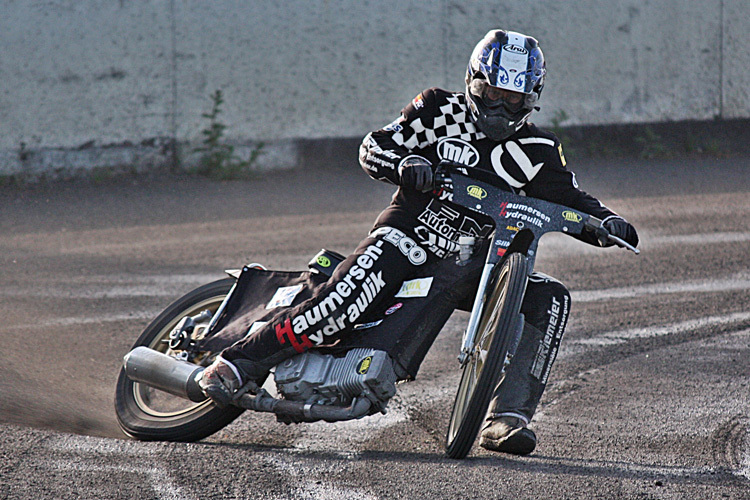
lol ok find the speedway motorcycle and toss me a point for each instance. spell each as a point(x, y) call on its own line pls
point(158, 398)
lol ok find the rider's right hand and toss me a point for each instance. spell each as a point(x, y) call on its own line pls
point(416, 173)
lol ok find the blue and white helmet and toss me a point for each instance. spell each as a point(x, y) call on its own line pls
point(504, 80)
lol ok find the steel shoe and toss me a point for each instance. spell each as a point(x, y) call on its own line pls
point(220, 381)
point(508, 435)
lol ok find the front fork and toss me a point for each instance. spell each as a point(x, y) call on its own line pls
point(470, 334)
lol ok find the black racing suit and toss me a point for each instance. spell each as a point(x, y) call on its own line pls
point(419, 228)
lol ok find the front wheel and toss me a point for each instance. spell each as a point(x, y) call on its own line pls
point(496, 336)
point(149, 414)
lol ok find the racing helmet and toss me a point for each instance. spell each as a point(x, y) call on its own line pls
point(504, 80)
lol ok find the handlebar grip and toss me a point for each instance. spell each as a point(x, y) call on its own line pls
point(442, 178)
point(595, 225)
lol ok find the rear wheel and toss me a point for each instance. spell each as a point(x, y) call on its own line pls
point(149, 414)
point(495, 337)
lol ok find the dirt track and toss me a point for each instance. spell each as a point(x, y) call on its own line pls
point(649, 398)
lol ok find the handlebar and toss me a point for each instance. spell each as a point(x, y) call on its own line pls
point(443, 180)
point(442, 176)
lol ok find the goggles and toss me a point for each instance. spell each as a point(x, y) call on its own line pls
point(494, 97)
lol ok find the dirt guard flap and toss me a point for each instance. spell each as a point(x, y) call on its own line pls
point(258, 296)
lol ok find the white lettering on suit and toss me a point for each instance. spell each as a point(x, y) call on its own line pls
point(327, 313)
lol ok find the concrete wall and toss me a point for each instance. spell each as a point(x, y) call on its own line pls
point(87, 83)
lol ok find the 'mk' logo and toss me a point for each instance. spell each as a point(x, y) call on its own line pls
point(458, 151)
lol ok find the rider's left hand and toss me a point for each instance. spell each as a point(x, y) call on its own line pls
point(617, 226)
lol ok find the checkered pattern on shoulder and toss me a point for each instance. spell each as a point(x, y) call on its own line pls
point(451, 120)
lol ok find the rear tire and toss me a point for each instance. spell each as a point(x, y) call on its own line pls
point(495, 337)
point(151, 415)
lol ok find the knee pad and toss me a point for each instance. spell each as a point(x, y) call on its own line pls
point(547, 304)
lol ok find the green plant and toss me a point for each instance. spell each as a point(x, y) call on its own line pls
point(651, 143)
point(714, 148)
point(218, 158)
point(563, 136)
point(9, 180)
point(557, 119)
point(23, 153)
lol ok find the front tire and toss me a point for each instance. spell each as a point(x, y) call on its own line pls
point(151, 415)
point(495, 337)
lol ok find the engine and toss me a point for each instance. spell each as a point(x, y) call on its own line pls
point(314, 378)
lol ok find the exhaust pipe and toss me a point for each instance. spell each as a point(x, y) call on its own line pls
point(296, 412)
point(176, 377)
point(164, 372)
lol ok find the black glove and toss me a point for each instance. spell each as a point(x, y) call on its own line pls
point(416, 173)
point(617, 226)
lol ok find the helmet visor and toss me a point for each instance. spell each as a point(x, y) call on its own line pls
point(494, 97)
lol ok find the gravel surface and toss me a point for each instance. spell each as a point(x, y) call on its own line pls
point(649, 398)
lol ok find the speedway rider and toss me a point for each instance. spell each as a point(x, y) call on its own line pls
point(486, 127)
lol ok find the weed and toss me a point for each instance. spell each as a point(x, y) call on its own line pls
point(710, 147)
point(218, 158)
point(7, 180)
point(565, 139)
point(714, 148)
point(693, 144)
point(651, 144)
point(557, 120)
point(100, 175)
point(23, 153)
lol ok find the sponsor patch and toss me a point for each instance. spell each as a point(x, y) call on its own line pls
point(364, 366)
point(547, 350)
point(458, 151)
point(284, 334)
point(394, 126)
point(571, 216)
point(284, 296)
point(515, 49)
point(393, 308)
point(476, 192)
point(416, 255)
point(419, 287)
point(524, 213)
point(418, 102)
point(509, 153)
point(365, 326)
